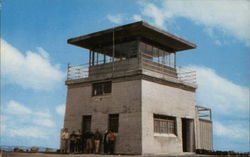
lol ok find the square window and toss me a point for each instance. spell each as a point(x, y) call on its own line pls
point(164, 124)
point(101, 88)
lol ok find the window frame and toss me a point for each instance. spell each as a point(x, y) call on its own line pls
point(102, 88)
point(164, 124)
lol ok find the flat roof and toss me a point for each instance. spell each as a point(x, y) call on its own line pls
point(138, 30)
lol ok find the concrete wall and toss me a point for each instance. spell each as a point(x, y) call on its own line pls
point(165, 100)
point(135, 99)
point(125, 99)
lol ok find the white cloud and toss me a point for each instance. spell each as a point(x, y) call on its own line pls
point(229, 16)
point(43, 53)
point(231, 131)
point(20, 120)
point(229, 103)
point(156, 14)
point(60, 110)
point(44, 122)
point(32, 70)
point(218, 42)
point(136, 17)
point(42, 114)
point(34, 132)
point(224, 97)
point(116, 19)
point(15, 108)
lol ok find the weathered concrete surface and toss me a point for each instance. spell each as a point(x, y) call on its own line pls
point(124, 100)
point(14, 154)
point(136, 99)
point(164, 100)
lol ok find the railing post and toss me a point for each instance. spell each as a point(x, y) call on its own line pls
point(113, 52)
point(178, 71)
point(175, 60)
point(162, 63)
point(68, 72)
point(90, 57)
point(140, 59)
point(93, 58)
point(97, 58)
point(210, 114)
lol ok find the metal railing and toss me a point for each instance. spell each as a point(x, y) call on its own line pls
point(182, 74)
point(204, 113)
point(185, 74)
point(78, 71)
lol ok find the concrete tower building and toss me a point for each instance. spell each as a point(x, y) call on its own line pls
point(133, 86)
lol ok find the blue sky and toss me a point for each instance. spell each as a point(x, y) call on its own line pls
point(34, 58)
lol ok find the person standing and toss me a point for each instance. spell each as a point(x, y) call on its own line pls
point(97, 139)
point(92, 141)
point(89, 142)
point(111, 141)
point(105, 142)
point(84, 141)
point(78, 141)
point(62, 143)
point(65, 140)
point(72, 142)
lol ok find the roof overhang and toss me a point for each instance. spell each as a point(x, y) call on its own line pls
point(137, 30)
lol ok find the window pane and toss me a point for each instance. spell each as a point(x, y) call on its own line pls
point(102, 88)
point(107, 87)
point(164, 124)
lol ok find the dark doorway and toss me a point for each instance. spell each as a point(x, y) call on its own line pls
point(188, 138)
point(86, 123)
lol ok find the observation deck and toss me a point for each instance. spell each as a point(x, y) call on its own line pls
point(133, 49)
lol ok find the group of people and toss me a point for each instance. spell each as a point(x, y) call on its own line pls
point(87, 142)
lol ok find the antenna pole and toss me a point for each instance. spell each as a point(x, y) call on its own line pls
point(113, 53)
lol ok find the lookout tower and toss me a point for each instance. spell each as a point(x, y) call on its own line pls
point(133, 86)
